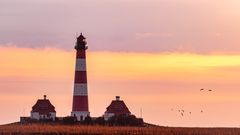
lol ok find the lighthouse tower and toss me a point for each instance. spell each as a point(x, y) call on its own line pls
point(80, 94)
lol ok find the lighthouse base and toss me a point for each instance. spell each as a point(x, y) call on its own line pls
point(80, 115)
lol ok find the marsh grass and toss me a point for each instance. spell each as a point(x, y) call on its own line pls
point(48, 129)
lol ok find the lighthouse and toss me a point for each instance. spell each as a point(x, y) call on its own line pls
point(80, 91)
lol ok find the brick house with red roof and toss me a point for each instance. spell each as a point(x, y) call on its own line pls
point(117, 107)
point(43, 110)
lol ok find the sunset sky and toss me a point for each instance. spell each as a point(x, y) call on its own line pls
point(155, 54)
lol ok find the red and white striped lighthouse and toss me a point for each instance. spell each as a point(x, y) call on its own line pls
point(80, 92)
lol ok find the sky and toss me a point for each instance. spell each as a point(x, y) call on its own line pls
point(155, 54)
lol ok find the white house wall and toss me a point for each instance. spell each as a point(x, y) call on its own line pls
point(35, 115)
point(107, 116)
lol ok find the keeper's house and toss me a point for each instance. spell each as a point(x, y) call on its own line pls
point(43, 110)
point(116, 108)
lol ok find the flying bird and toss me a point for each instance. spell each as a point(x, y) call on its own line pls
point(201, 89)
point(209, 90)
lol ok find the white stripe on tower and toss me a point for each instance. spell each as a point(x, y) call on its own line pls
point(80, 64)
point(80, 89)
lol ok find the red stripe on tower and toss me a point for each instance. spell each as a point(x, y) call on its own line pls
point(80, 92)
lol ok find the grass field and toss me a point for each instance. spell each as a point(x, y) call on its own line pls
point(41, 129)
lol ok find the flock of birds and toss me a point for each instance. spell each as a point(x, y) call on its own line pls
point(184, 112)
point(204, 89)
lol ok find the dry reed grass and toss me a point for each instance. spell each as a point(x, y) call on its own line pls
point(43, 129)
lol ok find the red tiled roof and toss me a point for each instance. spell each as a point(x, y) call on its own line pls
point(43, 106)
point(117, 107)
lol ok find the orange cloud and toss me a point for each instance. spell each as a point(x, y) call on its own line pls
point(159, 66)
point(59, 64)
point(35, 63)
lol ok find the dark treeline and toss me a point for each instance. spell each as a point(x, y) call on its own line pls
point(117, 120)
point(120, 120)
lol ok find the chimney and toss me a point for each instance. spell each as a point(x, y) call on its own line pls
point(45, 97)
point(117, 98)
